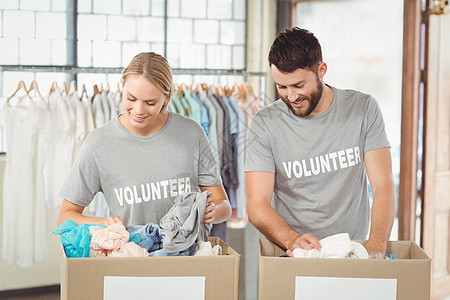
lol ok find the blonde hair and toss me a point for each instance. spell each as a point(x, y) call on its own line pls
point(155, 68)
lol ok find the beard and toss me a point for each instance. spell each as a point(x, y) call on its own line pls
point(312, 100)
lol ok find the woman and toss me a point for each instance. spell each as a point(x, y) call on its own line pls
point(145, 157)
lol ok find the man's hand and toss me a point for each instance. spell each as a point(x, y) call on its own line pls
point(306, 241)
point(376, 250)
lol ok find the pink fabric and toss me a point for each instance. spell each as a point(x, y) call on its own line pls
point(110, 237)
point(129, 249)
point(112, 241)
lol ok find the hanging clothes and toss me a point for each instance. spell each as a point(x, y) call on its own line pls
point(23, 208)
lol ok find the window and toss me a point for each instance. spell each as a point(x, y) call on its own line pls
point(39, 40)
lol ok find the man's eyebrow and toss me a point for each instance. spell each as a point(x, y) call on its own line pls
point(297, 83)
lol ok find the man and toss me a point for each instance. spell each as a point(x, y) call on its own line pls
point(308, 156)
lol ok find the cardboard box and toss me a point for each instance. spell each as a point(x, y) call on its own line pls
point(83, 278)
point(278, 275)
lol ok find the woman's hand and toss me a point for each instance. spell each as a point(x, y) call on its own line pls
point(112, 220)
point(210, 212)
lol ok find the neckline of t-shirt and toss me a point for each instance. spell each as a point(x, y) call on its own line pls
point(146, 137)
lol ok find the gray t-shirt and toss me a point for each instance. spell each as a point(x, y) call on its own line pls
point(320, 178)
point(142, 175)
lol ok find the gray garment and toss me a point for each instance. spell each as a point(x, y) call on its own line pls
point(320, 178)
point(220, 124)
point(213, 134)
point(183, 224)
point(240, 149)
point(142, 175)
point(220, 230)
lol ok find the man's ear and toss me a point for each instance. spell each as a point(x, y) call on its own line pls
point(322, 69)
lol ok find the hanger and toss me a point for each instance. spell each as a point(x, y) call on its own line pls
point(34, 86)
point(179, 91)
point(53, 87)
point(83, 92)
point(250, 88)
point(65, 88)
point(96, 92)
point(72, 88)
point(20, 86)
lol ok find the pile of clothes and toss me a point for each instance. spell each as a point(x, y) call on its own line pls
point(181, 232)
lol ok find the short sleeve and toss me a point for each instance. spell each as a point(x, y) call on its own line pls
point(259, 155)
point(83, 181)
point(208, 173)
point(375, 136)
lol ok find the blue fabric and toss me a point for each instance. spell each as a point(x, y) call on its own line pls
point(205, 114)
point(186, 252)
point(149, 235)
point(391, 256)
point(75, 238)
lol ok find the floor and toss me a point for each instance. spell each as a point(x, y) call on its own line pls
point(53, 296)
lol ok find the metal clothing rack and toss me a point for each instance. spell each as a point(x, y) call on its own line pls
point(111, 70)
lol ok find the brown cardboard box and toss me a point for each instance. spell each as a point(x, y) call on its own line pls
point(277, 275)
point(83, 278)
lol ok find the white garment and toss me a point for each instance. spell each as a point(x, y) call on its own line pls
point(88, 115)
point(80, 130)
point(205, 249)
point(24, 233)
point(105, 106)
point(61, 147)
point(335, 246)
point(97, 111)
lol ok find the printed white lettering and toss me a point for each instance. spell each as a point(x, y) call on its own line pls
point(119, 195)
point(333, 157)
point(288, 168)
point(298, 171)
point(164, 185)
point(145, 197)
point(181, 186)
point(322, 164)
point(128, 195)
point(350, 157)
point(315, 170)
point(305, 170)
point(137, 199)
point(156, 191)
point(173, 187)
point(357, 155)
point(152, 191)
point(342, 163)
point(325, 163)
point(188, 185)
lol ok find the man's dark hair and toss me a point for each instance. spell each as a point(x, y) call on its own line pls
point(294, 49)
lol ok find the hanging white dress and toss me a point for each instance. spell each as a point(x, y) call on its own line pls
point(22, 210)
point(61, 147)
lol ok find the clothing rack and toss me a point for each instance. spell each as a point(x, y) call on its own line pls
point(107, 70)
